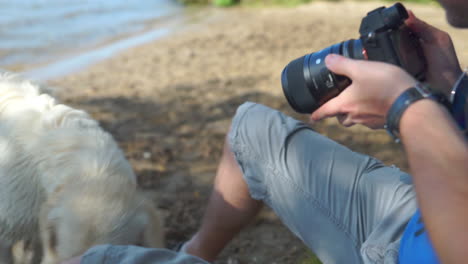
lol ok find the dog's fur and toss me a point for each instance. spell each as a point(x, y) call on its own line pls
point(64, 182)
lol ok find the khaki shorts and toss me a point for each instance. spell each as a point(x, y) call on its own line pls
point(345, 206)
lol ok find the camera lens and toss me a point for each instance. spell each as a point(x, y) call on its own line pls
point(307, 82)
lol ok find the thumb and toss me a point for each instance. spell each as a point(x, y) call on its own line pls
point(340, 65)
point(329, 109)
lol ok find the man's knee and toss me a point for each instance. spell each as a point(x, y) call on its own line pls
point(251, 120)
point(257, 128)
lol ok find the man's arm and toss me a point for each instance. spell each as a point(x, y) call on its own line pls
point(438, 158)
point(437, 151)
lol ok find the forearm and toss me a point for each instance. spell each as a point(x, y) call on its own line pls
point(438, 158)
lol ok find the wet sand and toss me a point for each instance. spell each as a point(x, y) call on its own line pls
point(169, 104)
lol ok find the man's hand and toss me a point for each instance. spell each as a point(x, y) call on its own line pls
point(366, 101)
point(443, 67)
point(376, 85)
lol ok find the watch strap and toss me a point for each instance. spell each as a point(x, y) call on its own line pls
point(402, 103)
point(459, 100)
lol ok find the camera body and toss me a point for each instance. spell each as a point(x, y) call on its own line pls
point(386, 38)
point(308, 84)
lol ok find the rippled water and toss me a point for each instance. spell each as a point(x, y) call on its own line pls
point(34, 32)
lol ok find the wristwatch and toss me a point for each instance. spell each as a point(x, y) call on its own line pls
point(459, 101)
point(411, 95)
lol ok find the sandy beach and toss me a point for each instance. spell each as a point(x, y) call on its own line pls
point(169, 104)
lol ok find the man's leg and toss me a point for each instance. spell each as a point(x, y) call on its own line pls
point(347, 207)
point(229, 209)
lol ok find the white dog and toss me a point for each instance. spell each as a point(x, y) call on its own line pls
point(64, 182)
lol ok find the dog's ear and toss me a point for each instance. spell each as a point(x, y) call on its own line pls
point(153, 231)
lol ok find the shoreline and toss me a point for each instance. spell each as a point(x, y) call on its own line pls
point(74, 62)
point(35, 34)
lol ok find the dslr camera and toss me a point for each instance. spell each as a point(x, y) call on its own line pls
point(308, 84)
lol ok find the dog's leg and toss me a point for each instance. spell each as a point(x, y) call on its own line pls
point(27, 252)
point(49, 254)
point(6, 256)
point(153, 234)
point(48, 237)
point(37, 252)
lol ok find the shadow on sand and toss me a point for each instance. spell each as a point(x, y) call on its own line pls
point(174, 146)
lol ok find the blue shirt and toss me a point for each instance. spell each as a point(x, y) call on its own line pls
point(415, 246)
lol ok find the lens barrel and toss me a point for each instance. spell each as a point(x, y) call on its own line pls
point(295, 87)
point(307, 82)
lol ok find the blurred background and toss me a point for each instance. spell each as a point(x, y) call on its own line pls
point(165, 77)
point(35, 33)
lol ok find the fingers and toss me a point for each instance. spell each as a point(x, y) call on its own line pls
point(329, 109)
point(427, 33)
point(340, 65)
point(345, 120)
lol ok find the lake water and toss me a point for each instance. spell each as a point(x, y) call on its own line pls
point(36, 32)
